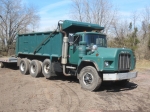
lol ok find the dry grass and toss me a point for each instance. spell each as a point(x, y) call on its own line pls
point(142, 64)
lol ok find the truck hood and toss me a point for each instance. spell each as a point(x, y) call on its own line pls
point(111, 52)
point(111, 55)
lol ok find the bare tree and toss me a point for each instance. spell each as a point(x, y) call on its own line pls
point(15, 18)
point(145, 33)
point(96, 11)
point(134, 18)
point(119, 33)
point(77, 9)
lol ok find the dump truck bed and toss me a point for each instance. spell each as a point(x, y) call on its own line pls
point(40, 43)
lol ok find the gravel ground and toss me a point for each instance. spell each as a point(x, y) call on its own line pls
point(23, 93)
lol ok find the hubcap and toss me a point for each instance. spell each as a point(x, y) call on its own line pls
point(87, 78)
point(22, 66)
point(47, 68)
point(33, 69)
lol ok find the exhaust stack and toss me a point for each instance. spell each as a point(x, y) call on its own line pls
point(64, 48)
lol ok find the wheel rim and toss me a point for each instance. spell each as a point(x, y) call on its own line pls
point(22, 66)
point(33, 69)
point(46, 68)
point(87, 78)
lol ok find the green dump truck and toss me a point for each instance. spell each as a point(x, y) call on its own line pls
point(74, 49)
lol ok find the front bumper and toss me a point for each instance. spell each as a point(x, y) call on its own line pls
point(119, 76)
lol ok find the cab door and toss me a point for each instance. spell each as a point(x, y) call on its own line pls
point(74, 50)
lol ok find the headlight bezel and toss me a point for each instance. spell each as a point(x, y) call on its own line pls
point(108, 64)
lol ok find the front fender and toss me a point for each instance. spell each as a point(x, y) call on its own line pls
point(88, 62)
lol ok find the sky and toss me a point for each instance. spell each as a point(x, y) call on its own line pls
point(51, 11)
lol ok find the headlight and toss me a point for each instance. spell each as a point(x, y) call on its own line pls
point(106, 63)
point(94, 47)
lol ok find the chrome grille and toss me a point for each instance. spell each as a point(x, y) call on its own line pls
point(124, 61)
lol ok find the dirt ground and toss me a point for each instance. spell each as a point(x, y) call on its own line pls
point(23, 93)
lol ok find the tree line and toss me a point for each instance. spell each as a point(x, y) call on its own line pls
point(15, 17)
point(133, 32)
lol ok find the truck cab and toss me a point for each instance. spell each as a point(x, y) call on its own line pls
point(89, 52)
point(92, 40)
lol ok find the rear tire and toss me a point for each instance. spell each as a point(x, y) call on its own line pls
point(89, 78)
point(46, 68)
point(35, 68)
point(24, 66)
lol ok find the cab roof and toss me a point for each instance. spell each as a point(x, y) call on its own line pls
point(80, 33)
point(76, 26)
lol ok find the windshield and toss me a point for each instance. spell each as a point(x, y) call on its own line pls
point(95, 39)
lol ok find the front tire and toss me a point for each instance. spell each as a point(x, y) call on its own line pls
point(89, 78)
point(35, 68)
point(24, 66)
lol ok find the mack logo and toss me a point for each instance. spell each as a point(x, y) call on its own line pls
point(124, 52)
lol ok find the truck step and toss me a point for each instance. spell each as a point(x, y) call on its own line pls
point(70, 67)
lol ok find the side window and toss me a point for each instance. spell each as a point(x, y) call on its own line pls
point(77, 39)
point(74, 39)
